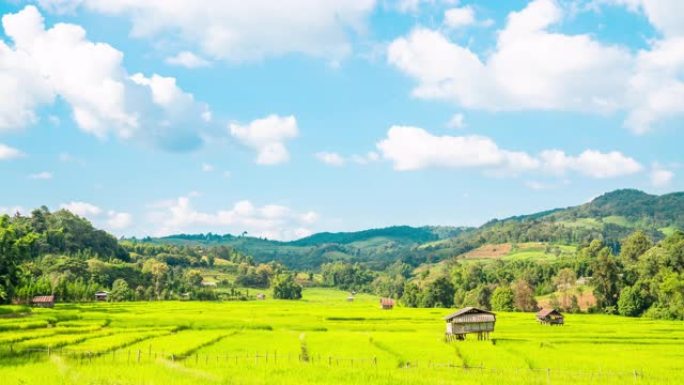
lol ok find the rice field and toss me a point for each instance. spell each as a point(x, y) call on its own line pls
point(323, 339)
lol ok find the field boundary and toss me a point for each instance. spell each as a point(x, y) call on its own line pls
point(140, 356)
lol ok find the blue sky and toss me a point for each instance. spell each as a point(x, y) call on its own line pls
point(285, 118)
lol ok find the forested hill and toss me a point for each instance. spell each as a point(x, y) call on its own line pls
point(628, 207)
point(375, 247)
point(609, 217)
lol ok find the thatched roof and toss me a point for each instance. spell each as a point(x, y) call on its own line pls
point(472, 314)
point(543, 313)
point(43, 299)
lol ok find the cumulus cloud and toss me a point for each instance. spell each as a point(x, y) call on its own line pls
point(109, 219)
point(413, 148)
point(7, 152)
point(187, 59)
point(661, 177)
point(591, 163)
point(267, 137)
point(240, 30)
point(44, 64)
point(532, 67)
point(269, 221)
point(83, 209)
point(118, 220)
point(459, 17)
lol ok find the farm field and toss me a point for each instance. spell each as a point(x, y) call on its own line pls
point(323, 339)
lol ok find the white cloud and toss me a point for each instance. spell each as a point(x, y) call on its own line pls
point(83, 209)
point(7, 152)
point(335, 159)
point(206, 167)
point(240, 30)
point(267, 136)
point(118, 220)
point(269, 221)
point(665, 15)
point(413, 148)
point(187, 59)
point(331, 158)
point(459, 17)
point(661, 177)
point(44, 175)
point(533, 68)
point(109, 219)
point(60, 62)
point(591, 163)
point(457, 121)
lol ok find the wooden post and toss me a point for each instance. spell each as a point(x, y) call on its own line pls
point(48, 351)
point(548, 375)
point(173, 358)
point(196, 358)
point(139, 354)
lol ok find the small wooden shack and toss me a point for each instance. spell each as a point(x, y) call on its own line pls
point(550, 317)
point(469, 320)
point(261, 296)
point(43, 301)
point(101, 296)
point(350, 298)
point(386, 303)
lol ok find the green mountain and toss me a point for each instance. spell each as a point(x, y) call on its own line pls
point(609, 217)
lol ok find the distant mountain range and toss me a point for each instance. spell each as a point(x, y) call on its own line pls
point(610, 217)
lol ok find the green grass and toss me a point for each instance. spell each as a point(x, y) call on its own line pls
point(262, 342)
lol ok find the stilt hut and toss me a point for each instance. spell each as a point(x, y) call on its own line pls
point(550, 317)
point(386, 303)
point(101, 296)
point(469, 320)
point(43, 301)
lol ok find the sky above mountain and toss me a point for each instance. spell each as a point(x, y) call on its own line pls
point(152, 117)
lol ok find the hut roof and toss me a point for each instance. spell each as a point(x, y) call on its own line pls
point(387, 302)
point(43, 299)
point(543, 313)
point(472, 314)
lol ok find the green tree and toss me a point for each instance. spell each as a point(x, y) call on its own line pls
point(606, 280)
point(411, 296)
point(193, 277)
point(631, 302)
point(503, 299)
point(438, 293)
point(523, 296)
point(285, 287)
point(634, 246)
point(120, 291)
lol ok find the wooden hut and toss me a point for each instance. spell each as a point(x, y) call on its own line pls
point(43, 301)
point(469, 320)
point(261, 296)
point(550, 317)
point(350, 298)
point(101, 296)
point(386, 303)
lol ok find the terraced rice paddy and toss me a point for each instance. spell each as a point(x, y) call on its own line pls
point(325, 340)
